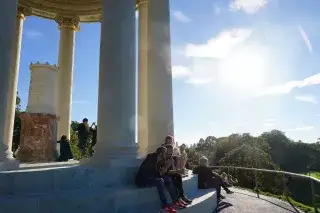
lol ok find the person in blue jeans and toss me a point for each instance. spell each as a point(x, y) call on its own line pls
point(152, 172)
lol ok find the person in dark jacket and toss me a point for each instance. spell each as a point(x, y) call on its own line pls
point(152, 172)
point(65, 149)
point(93, 131)
point(208, 179)
point(83, 135)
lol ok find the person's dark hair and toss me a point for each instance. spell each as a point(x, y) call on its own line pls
point(168, 146)
point(85, 120)
point(168, 139)
point(63, 137)
point(161, 150)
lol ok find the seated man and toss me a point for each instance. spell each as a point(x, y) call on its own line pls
point(152, 172)
point(176, 176)
point(209, 179)
point(65, 149)
point(169, 140)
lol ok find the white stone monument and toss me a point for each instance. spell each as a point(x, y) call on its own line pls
point(43, 89)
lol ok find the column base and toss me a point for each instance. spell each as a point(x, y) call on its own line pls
point(9, 164)
point(38, 138)
point(115, 156)
point(117, 167)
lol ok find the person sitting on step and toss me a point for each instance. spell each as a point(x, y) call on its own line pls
point(176, 176)
point(152, 172)
point(169, 140)
point(65, 149)
point(232, 181)
point(183, 159)
point(209, 179)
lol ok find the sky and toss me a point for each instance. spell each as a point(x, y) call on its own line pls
point(238, 66)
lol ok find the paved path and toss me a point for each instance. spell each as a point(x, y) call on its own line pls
point(243, 201)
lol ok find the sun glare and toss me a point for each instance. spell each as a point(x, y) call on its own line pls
point(243, 71)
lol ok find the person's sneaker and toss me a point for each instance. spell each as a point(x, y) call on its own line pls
point(183, 203)
point(230, 192)
point(168, 209)
point(185, 199)
point(178, 205)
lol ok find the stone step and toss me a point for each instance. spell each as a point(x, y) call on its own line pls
point(106, 200)
point(57, 179)
point(82, 190)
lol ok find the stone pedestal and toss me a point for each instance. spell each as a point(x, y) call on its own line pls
point(38, 137)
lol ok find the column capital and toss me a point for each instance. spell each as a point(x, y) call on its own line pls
point(140, 3)
point(71, 23)
point(22, 12)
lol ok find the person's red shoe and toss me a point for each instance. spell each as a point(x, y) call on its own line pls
point(168, 209)
point(178, 205)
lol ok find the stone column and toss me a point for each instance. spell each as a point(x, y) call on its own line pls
point(68, 26)
point(143, 78)
point(160, 106)
point(13, 83)
point(116, 99)
point(8, 12)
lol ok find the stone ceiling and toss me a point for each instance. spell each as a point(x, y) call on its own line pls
point(86, 10)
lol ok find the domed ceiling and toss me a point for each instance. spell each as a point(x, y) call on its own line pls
point(86, 10)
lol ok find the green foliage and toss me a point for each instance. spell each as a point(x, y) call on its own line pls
point(74, 143)
point(17, 125)
point(271, 150)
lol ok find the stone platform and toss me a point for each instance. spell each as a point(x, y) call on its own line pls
point(68, 187)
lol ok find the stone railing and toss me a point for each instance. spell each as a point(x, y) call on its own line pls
point(284, 175)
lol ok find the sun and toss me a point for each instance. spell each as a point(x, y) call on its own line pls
point(244, 70)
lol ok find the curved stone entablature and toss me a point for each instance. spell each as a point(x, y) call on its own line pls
point(85, 10)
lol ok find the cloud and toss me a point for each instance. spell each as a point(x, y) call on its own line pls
point(305, 38)
point(242, 124)
point(195, 80)
point(33, 33)
point(80, 102)
point(307, 98)
point(269, 124)
point(220, 46)
point(248, 6)
point(290, 85)
point(206, 58)
point(304, 128)
point(180, 16)
point(180, 71)
point(212, 124)
point(271, 120)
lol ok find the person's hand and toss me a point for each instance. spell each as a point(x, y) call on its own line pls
point(169, 162)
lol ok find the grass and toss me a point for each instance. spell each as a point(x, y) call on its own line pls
point(315, 175)
point(296, 204)
point(301, 206)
